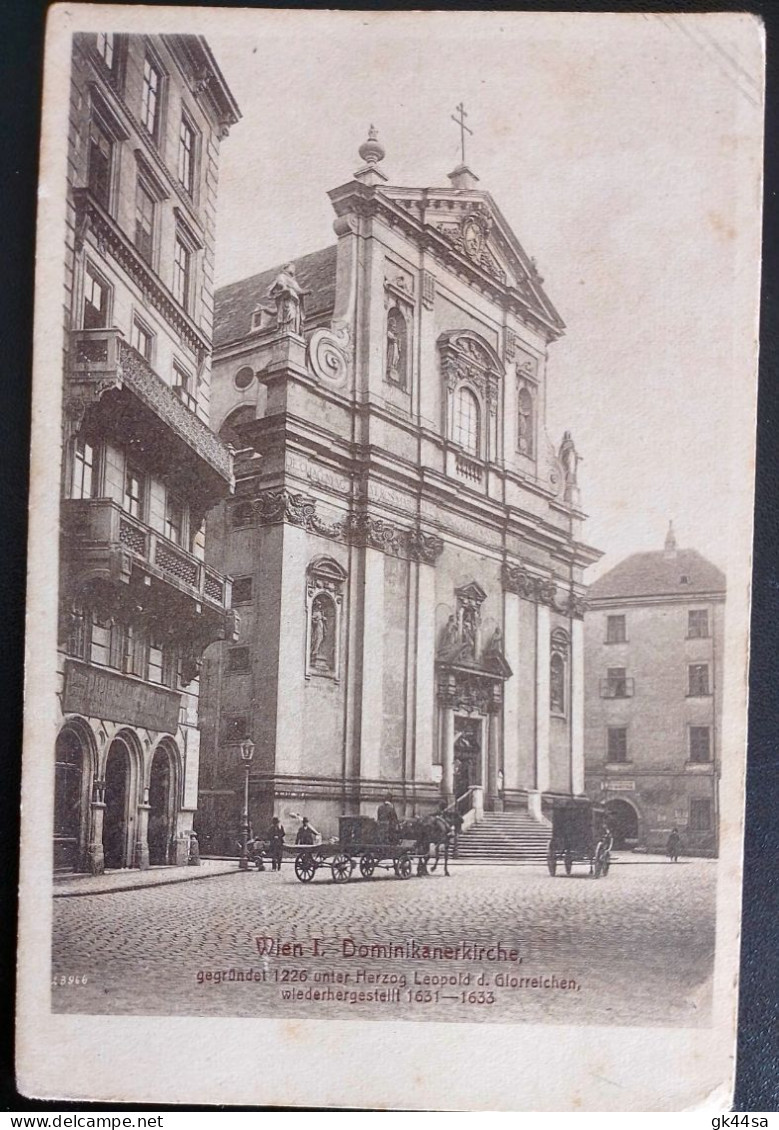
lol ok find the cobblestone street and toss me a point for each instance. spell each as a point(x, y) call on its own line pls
point(634, 948)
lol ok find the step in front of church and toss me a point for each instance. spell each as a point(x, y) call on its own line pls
point(504, 837)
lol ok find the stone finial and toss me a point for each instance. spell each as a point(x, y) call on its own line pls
point(371, 152)
point(463, 179)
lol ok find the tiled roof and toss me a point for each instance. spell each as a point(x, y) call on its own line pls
point(656, 574)
point(235, 303)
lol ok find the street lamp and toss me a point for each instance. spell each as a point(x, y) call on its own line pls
point(247, 753)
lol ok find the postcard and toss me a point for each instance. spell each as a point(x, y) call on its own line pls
point(390, 541)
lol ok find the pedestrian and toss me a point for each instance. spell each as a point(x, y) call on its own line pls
point(194, 850)
point(673, 845)
point(387, 819)
point(276, 843)
point(307, 834)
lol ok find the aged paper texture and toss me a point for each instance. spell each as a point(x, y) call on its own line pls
point(394, 401)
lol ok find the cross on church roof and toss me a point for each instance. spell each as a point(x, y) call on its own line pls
point(463, 127)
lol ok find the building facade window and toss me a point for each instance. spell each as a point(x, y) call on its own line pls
point(184, 385)
point(558, 671)
point(617, 747)
point(467, 422)
point(698, 679)
point(77, 632)
point(616, 629)
point(174, 519)
point(144, 221)
point(100, 640)
point(182, 267)
point(83, 474)
point(242, 590)
point(244, 378)
point(104, 41)
point(97, 300)
point(700, 814)
point(186, 161)
point(616, 683)
point(700, 744)
point(100, 157)
point(151, 98)
point(238, 660)
point(698, 624)
point(134, 483)
point(142, 339)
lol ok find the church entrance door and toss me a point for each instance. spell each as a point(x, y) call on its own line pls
point(468, 759)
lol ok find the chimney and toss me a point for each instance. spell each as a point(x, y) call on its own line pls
point(670, 543)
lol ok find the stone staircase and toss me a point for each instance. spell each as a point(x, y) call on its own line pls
point(504, 837)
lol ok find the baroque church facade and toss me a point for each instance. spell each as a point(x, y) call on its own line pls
point(405, 541)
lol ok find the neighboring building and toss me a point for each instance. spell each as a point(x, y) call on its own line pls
point(405, 541)
point(141, 467)
point(653, 657)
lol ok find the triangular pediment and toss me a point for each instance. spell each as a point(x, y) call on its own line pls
point(473, 225)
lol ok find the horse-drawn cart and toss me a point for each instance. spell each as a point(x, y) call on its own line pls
point(368, 845)
point(580, 834)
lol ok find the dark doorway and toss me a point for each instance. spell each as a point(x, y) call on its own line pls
point(68, 799)
point(623, 821)
point(467, 754)
point(117, 773)
point(160, 814)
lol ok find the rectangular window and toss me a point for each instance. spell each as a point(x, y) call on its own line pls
point(99, 163)
point(83, 469)
point(76, 641)
point(144, 221)
point(133, 491)
point(174, 519)
point(184, 385)
point(135, 656)
point(242, 590)
point(698, 679)
point(96, 301)
point(237, 660)
point(617, 744)
point(150, 103)
point(615, 629)
point(181, 272)
point(100, 644)
point(142, 339)
point(698, 624)
point(700, 744)
point(700, 814)
point(155, 664)
point(104, 42)
point(186, 155)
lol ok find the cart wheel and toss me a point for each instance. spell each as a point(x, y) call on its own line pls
point(341, 868)
point(367, 864)
point(568, 861)
point(403, 867)
point(551, 859)
point(305, 868)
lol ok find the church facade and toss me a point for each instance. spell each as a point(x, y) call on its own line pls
point(404, 539)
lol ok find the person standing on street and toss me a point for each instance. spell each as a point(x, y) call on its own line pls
point(307, 834)
point(673, 845)
point(276, 842)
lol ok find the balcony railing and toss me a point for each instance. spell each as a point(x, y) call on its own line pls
point(101, 358)
point(616, 688)
point(102, 522)
point(468, 468)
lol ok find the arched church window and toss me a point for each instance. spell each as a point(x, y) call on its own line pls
point(324, 596)
point(466, 421)
point(558, 667)
point(397, 348)
point(525, 423)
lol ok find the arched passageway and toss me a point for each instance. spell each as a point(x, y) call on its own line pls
point(116, 847)
point(623, 821)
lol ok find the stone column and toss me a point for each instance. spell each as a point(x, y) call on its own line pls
point(542, 697)
point(493, 758)
point(511, 693)
point(371, 700)
point(424, 674)
point(95, 857)
point(447, 752)
point(142, 837)
point(577, 706)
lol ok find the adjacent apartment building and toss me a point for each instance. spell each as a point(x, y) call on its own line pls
point(653, 697)
point(406, 541)
point(140, 467)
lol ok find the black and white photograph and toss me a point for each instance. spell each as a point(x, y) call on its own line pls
point(390, 535)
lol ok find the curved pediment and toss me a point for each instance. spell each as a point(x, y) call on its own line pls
point(471, 348)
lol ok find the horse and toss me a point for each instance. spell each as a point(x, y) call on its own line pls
point(432, 831)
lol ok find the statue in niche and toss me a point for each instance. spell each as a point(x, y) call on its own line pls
point(288, 295)
point(494, 648)
point(396, 347)
point(470, 626)
point(525, 422)
point(321, 645)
